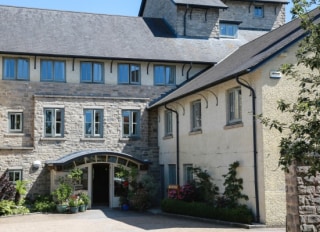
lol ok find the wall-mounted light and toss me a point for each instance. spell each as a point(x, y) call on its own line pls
point(36, 164)
point(275, 74)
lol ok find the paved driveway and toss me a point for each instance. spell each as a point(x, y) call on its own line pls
point(108, 220)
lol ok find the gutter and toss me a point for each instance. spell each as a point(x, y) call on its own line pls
point(177, 143)
point(255, 152)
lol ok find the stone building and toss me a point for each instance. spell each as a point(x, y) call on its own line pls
point(75, 88)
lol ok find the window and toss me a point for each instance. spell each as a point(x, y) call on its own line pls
point(172, 174)
point(196, 115)
point(258, 12)
point(15, 69)
point(93, 122)
point(52, 70)
point(168, 122)
point(130, 123)
point(228, 30)
point(53, 122)
point(187, 173)
point(15, 175)
point(234, 105)
point(129, 74)
point(164, 75)
point(15, 122)
point(91, 72)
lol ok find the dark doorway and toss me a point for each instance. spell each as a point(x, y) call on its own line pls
point(100, 184)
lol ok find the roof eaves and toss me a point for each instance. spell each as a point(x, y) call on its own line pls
point(106, 58)
point(162, 101)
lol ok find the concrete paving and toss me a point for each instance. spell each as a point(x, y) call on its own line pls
point(114, 220)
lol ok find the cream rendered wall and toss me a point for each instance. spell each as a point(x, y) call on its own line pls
point(270, 91)
point(218, 145)
point(110, 69)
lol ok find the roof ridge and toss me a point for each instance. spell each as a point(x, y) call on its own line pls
point(66, 11)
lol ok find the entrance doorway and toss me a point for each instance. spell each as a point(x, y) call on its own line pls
point(100, 184)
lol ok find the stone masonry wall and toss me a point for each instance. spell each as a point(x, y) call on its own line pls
point(21, 149)
point(303, 200)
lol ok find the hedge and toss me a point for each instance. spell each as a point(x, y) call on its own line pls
point(240, 214)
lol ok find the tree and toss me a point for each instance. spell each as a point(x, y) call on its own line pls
point(301, 141)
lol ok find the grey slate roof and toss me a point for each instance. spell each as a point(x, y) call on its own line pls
point(243, 60)
point(204, 3)
point(75, 34)
point(265, 1)
point(87, 153)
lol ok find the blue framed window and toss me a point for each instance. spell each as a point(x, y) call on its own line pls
point(228, 30)
point(129, 74)
point(93, 122)
point(16, 69)
point(172, 174)
point(91, 72)
point(52, 70)
point(53, 123)
point(258, 12)
point(164, 75)
point(188, 173)
point(130, 123)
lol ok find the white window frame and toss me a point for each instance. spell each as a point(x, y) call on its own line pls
point(168, 123)
point(196, 115)
point(133, 125)
point(168, 76)
point(55, 123)
point(13, 174)
point(97, 125)
point(234, 111)
point(17, 125)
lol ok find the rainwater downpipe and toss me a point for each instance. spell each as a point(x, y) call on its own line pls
point(177, 143)
point(255, 152)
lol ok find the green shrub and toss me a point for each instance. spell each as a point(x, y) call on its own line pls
point(239, 214)
point(10, 208)
point(44, 204)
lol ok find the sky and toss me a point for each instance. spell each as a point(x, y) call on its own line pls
point(112, 7)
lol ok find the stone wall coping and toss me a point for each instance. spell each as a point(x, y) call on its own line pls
point(15, 148)
point(90, 97)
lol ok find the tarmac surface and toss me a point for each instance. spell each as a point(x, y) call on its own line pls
point(114, 220)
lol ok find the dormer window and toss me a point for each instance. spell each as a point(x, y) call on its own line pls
point(258, 12)
point(228, 30)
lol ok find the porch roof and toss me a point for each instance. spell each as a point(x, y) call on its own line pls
point(90, 156)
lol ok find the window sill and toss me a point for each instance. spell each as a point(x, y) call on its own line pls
point(233, 125)
point(15, 148)
point(52, 139)
point(195, 132)
point(14, 134)
point(126, 139)
point(167, 137)
point(92, 139)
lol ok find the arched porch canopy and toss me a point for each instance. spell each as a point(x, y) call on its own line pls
point(97, 156)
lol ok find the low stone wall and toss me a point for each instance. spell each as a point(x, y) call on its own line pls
point(303, 200)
